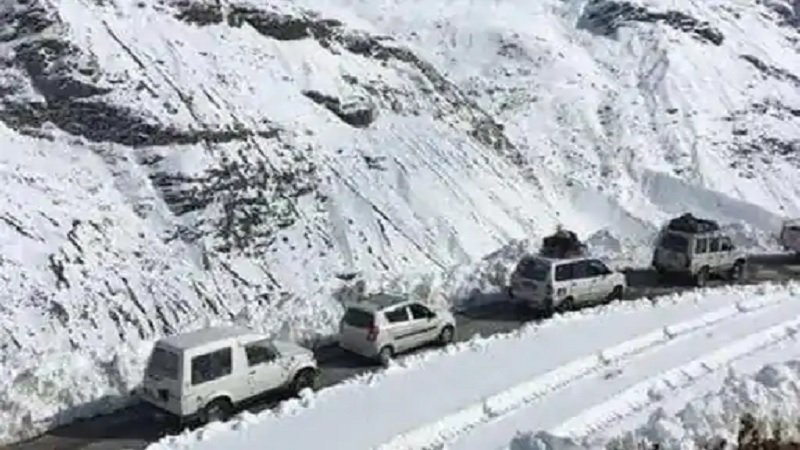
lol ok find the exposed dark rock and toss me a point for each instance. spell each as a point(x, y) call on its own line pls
point(278, 26)
point(788, 11)
point(49, 64)
point(605, 17)
point(356, 114)
point(199, 12)
point(24, 19)
point(772, 71)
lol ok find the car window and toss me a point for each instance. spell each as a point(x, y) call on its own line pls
point(564, 272)
point(714, 245)
point(397, 315)
point(580, 269)
point(533, 269)
point(358, 318)
point(701, 245)
point(597, 268)
point(163, 363)
point(260, 352)
point(674, 242)
point(725, 244)
point(211, 366)
point(419, 311)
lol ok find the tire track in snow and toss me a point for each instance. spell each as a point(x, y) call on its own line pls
point(447, 429)
point(648, 392)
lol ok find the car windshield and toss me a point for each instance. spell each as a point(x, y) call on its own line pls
point(163, 363)
point(358, 318)
point(674, 242)
point(533, 269)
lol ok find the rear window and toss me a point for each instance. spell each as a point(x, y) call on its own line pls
point(533, 269)
point(163, 364)
point(358, 318)
point(674, 242)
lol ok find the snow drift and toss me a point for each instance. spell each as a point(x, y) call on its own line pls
point(171, 163)
point(767, 401)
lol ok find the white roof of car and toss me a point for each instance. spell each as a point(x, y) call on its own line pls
point(379, 301)
point(204, 336)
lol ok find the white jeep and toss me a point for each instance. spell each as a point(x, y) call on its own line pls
point(698, 255)
point(203, 375)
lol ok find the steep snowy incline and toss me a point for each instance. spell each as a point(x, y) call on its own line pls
point(630, 109)
point(167, 165)
point(170, 162)
point(432, 398)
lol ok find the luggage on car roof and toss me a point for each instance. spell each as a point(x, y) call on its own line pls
point(562, 244)
point(688, 223)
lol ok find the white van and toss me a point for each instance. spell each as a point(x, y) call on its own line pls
point(551, 284)
point(203, 375)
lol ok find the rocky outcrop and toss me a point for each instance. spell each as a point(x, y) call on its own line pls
point(605, 17)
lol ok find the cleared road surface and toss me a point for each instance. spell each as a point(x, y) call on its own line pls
point(136, 427)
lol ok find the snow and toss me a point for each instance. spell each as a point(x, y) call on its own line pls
point(465, 396)
point(177, 173)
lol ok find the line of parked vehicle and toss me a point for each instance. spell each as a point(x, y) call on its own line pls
point(201, 376)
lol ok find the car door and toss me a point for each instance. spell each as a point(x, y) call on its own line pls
point(264, 369)
point(423, 322)
point(400, 328)
point(564, 283)
point(713, 257)
point(726, 255)
point(601, 283)
point(582, 282)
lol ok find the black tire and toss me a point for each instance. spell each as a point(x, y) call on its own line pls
point(219, 410)
point(701, 278)
point(306, 378)
point(385, 355)
point(616, 293)
point(446, 335)
point(568, 304)
point(736, 274)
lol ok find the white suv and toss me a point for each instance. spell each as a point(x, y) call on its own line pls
point(698, 255)
point(790, 235)
point(551, 285)
point(203, 375)
point(382, 326)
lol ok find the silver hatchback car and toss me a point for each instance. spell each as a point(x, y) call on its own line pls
point(382, 326)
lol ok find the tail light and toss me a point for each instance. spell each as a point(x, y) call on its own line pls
point(372, 332)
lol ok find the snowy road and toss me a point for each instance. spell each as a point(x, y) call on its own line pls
point(132, 429)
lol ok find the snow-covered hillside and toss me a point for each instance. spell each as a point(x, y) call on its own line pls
point(167, 163)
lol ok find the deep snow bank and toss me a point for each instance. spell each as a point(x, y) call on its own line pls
point(170, 163)
point(710, 421)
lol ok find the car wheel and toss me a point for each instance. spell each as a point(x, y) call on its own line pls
point(568, 304)
point(385, 355)
point(701, 278)
point(306, 378)
point(737, 272)
point(616, 293)
point(446, 336)
point(218, 410)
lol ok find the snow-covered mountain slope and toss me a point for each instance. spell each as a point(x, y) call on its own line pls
point(167, 163)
